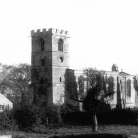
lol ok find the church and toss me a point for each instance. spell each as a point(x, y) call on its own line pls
point(50, 65)
point(125, 95)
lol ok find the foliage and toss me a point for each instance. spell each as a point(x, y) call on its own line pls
point(19, 78)
point(112, 117)
point(96, 90)
point(39, 86)
point(25, 116)
point(15, 83)
point(50, 114)
point(3, 77)
point(26, 113)
point(30, 118)
point(119, 116)
point(100, 89)
point(7, 121)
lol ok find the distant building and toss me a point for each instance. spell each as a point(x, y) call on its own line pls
point(49, 65)
point(125, 95)
point(5, 103)
point(50, 61)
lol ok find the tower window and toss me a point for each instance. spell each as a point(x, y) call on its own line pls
point(41, 80)
point(129, 88)
point(41, 44)
point(60, 79)
point(42, 61)
point(61, 59)
point(60, 44)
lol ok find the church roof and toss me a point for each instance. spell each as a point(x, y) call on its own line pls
point(124, 74)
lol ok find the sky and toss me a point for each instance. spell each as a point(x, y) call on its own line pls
point(102, 32)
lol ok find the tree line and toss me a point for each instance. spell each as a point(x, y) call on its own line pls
point(15, 83)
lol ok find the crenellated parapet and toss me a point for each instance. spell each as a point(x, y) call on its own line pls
point(50, 31)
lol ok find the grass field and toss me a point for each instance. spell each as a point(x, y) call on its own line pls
point(75, 130)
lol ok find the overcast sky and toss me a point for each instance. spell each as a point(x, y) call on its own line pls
point(102, 32)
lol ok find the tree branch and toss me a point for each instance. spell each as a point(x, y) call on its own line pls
point(76, 100)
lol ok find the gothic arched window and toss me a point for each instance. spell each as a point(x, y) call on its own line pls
point(41, 80)
point(129, 88)
point(60, 79)
point(42, 61)
point(41, 41)
point(60, 44)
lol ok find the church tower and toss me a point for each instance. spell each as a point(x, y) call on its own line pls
point(115, 67)
point(49, 62)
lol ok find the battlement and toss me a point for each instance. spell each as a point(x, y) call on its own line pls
point(50, 31)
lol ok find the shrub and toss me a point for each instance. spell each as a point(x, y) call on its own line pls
point(26, 117)
point(122, 116)
point(78, 118)
point(7, 120)
point(30, 117)
point(50, 114)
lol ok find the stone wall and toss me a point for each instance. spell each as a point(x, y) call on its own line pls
point(50, 64)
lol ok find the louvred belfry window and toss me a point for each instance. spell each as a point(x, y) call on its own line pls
point(41, 44)
point(60, 44)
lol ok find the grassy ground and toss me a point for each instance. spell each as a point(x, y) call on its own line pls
point(75, 130)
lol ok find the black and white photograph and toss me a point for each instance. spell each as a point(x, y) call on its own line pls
point(68, 69)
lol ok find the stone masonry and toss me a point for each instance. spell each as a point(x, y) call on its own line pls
point(49, 61)
point(50, 65)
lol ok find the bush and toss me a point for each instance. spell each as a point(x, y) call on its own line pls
point(30, 117)
point(7, 120)
point(26, 117)
point(122, 116)
point(78, 118)
point(50, 114)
